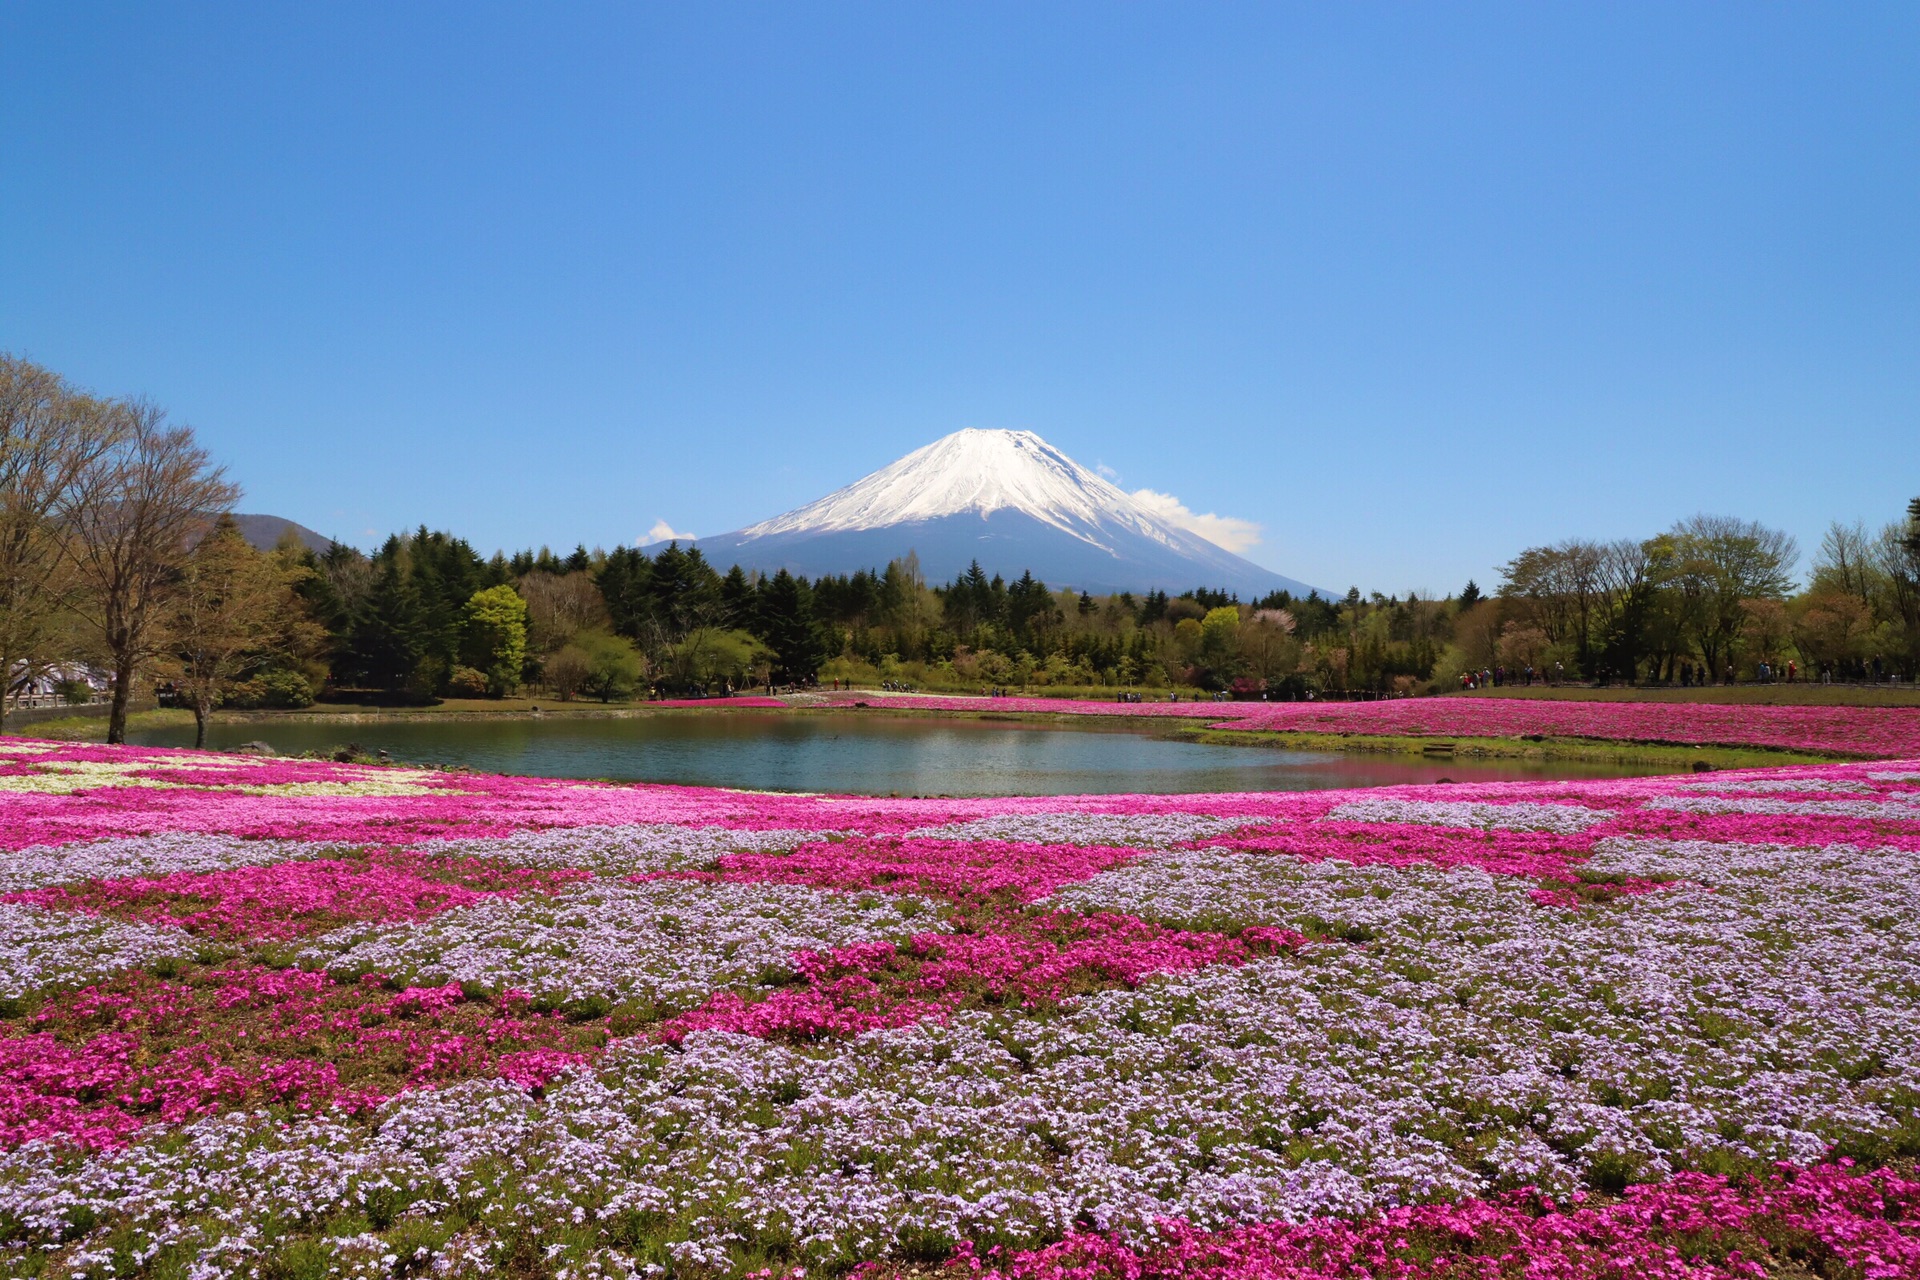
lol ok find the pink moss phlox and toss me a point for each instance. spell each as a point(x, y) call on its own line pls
point(286, 899)
point(1694, 1227)
point(1532, 854)
point(99, 1063)
point(878, 984)
point(418, 1001)
point(798, 1015)
point(1878, 732)
point(1809, 830)
point(960, 870)
point(536, 1068)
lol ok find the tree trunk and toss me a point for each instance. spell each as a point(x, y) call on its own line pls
point(199, 724)
point(122, 692)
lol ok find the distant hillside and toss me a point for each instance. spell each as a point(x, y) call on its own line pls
point(263, 533)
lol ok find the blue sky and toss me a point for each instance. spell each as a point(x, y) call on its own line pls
point(1410, 287)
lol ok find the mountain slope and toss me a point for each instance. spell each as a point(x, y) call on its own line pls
point(1006, 498)
point(263, 533)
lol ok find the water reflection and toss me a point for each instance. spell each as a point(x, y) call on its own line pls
point(866, 753)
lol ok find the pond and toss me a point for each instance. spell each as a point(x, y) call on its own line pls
point(863, 753)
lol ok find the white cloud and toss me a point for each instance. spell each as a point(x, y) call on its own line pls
point(1107, 473)
point(664, 532)
point(1236, 535)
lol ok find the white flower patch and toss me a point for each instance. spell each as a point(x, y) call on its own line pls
point(377, 786)
point(625, 850)
point(41, 948)
point(1896, 775)
point(1144, 830)
point(67, 777)
point(1763, 786)
point(1566, 819)
point(39, 866)
point(1220, 890)
point(669, 942)
point(1881, 810)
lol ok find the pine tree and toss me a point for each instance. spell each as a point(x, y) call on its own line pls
point(737, 600)
point(791, 630)
point(626, 584)
point(388, 629)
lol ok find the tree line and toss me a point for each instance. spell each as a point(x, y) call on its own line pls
point(427, 616)
point(1711, 599)
point(115, 555)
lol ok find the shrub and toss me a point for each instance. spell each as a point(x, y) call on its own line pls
point(75, 693)
point(282, 690)
point(567, 672)
point(467, 682)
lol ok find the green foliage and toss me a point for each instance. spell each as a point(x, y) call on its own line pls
point(494, 637)
point(388, 638)
point(277, 689)
point(708, 656)
point(611, 667)
point(790, 629)
point(468, 682)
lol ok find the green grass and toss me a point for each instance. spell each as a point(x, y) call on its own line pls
point(94, 728)
point(1593, 750)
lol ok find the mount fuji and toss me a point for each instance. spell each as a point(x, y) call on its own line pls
point(1007, 499)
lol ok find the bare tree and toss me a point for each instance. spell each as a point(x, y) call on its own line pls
point(1896, 553)
point(49, 436)
point(1558, 589)
point(132, 521)
point(560, 607)
point(1845, 561)
point(1724, 564)
point(230, 609)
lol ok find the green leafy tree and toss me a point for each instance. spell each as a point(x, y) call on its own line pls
point(493, 640)
point(707, 656)
point(1218, 632)
point(613, 668)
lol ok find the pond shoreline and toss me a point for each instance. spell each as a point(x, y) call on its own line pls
point(1661, 756)
point(877, 753)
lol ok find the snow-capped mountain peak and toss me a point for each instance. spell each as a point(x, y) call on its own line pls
point(977, 472)
point(1007, 499)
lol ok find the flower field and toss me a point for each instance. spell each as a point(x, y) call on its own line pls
point(283, 1018)
point(1866, 732)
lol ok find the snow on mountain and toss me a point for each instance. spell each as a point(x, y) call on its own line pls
point(1006, 498)
point(973, 471)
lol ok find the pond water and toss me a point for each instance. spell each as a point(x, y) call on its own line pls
point(863, 753)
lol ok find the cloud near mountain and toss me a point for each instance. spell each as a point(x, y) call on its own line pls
point(664, 532)
point(1236, 535)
